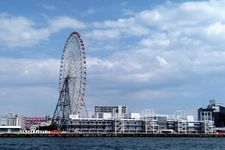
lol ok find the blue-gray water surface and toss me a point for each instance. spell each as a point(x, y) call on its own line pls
point(112, 143)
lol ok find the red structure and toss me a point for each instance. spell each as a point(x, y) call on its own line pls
point(30, 121)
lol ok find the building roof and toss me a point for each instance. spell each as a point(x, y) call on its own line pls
point(10, 127)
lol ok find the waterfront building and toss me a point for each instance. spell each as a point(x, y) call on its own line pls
point(213, 112)
point(147, 122)
point(142, 125)
point(33, 121)
point(134, 115)
point(108, 112)
point(3, 121)
point(116, 119)
point(10, 123)
point(9, 129)
point(11, 119)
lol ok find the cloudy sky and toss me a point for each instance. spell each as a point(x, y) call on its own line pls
point(162, 55)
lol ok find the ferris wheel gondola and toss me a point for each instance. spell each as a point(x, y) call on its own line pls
point(72, 80)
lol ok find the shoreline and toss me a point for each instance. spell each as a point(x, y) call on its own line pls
point(15, 135)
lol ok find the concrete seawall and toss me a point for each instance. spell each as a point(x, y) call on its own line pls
point(105, 135)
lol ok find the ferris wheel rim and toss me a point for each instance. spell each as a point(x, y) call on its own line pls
point(76, 74)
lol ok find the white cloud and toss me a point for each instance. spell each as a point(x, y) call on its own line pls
point(18, 31)
point(93, 62)
point(115, 29)
point(28, 71)
point(62, 22)
point(161, 61)
point(155, 42)
point(217, 29)
point(29, 85)
point(177, 20)
point(178, 57)
point(149, 17)
point(171, 53)
point(103, 34)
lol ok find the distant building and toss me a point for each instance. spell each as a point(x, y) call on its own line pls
point(10, 123)
point(9, 129)
point(11, 119)
point(3, 121)
point(134, 116)
point(213, 112)
point(152, 124)
point(33, 121)
point(108, 112)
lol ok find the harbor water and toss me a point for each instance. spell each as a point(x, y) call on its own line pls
point(112, 143)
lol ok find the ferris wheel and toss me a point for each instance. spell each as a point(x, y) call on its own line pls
point(73, 67)
point(72, 80)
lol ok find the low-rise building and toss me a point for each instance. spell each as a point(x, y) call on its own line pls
point(115, 111)
point(33, 121)
point(213, 112)
point(9, 129)
point(11, 119)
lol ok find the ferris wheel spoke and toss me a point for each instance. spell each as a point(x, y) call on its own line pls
point(72, 78)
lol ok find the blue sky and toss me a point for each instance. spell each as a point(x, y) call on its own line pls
point(161, 55)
